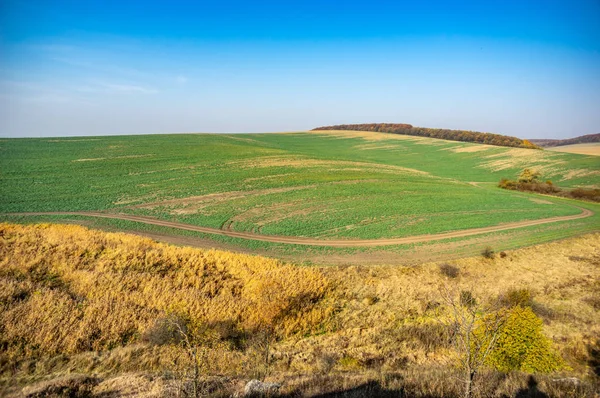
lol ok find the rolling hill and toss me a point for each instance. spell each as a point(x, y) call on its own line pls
point(445, 134)
point(325, 186)
point(583, 139)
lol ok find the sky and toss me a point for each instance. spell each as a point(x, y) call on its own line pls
point(524, 68)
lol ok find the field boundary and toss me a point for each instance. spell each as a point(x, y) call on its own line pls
point(317, 242)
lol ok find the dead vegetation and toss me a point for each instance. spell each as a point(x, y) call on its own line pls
point(146, 319)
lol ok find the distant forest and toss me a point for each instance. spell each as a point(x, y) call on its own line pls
point(444, 134)
point(583, 139)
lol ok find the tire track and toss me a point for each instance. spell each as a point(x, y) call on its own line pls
point(318, 242)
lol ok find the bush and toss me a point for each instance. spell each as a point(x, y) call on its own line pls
point(587, 194)
point(528, 175)
point(165, 330)
point(488, 253)
point(516, 297)
point(507, 184)
point(522, 346)
point(528, 182)
point(449, 270)
point(467, 299)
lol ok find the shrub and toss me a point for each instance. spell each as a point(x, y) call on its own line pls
point(488, 253)
point(467, 299)
point(503, 254)
point(516, 297)
point(165, 330)
point(449, 270)
point(349, 363)
point(507, 184)
point(522, 346)
point(528, 175)
point(588, 194)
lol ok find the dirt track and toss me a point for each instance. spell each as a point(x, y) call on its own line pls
point(320, 242)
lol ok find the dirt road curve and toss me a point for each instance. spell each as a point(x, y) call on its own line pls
point(320, 242)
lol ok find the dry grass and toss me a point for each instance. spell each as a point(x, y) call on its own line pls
point(66, 289)
point(368, 135)
point(76, 300)
point(581, 149)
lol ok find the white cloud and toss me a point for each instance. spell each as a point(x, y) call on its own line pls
point(126, 88)
point(113, 88)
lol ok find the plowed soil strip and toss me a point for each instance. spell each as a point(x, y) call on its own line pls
point(318, 242)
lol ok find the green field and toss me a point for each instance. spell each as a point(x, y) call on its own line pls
point(322, 185)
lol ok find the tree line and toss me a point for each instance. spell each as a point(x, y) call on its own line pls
point(583, 139)
point(444, 134)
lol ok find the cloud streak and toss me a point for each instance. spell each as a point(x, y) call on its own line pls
point(114, 88)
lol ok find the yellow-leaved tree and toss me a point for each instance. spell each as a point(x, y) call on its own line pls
point(521, 345)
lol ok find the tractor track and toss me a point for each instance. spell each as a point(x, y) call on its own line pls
point(311, 241)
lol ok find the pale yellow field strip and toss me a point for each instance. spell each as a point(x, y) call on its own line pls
point(580, 149)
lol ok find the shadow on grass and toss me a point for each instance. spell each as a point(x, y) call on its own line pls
point(531, 391)
point(368, 389)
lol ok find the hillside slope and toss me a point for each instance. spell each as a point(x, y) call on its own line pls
point(445, 134)
point(82, 301)
point(583, 139)
point(321, 185)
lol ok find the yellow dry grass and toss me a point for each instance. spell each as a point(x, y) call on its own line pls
point(580, 149)
point(368, 135)
point(563, 278)
point(70, 290)
point(470, 148)
point(302, 162)
point(67, 289)
point(522, 158)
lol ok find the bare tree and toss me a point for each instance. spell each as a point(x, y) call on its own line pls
point(475, 330)
point(194, 341)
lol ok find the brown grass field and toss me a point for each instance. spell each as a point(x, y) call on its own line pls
point(581, 149)
point(84, 311)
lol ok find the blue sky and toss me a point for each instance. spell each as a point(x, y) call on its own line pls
point(529, 69)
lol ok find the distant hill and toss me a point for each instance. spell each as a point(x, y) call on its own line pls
point(583, 139)
point(445, 134)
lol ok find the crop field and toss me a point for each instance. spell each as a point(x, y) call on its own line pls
point(319, 185)
point(592, 148)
